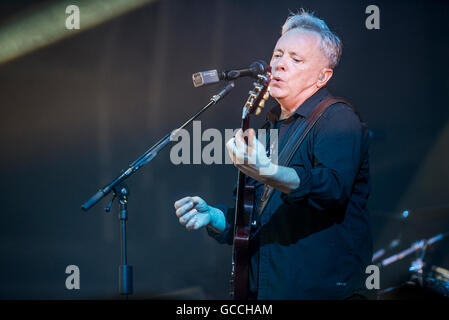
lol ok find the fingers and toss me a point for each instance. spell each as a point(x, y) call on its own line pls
point(230, 147)
point(200, 204)
point(190, 225)
point(252, 142)
point(188, 217)
point(237, 147)
point(197, 200)
point(240, 142)
point(182, 202)
point(182, 210)
point(241, 149)
point(240, 136)
point(187, 209)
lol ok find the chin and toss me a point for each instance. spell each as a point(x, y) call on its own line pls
point(276, 93)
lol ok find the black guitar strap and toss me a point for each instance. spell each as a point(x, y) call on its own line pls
point(295, 140)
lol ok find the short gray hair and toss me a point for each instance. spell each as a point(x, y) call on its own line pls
point(331, 45)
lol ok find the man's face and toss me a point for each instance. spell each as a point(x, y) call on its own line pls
point(296, 65)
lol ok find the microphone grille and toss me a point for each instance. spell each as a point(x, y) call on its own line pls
point(205, 77)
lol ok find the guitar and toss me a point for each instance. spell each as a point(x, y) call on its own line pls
point(245, 198)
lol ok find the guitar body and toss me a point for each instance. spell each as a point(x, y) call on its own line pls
point(240, 266)
point(245, 198)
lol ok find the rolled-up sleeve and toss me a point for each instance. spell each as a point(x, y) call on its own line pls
point(335, 155)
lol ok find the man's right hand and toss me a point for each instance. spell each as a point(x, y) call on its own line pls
point(193, 212)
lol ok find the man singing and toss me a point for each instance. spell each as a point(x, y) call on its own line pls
point(313, 239)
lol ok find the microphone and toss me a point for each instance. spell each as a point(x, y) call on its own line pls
point(214, 76)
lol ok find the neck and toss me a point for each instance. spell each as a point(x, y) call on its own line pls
point(289, 106)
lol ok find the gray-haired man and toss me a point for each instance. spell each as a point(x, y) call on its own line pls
point(313, 239)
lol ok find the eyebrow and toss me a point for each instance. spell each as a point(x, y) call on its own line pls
point(292, 53)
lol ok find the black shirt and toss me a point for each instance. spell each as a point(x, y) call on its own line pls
point(315, 242)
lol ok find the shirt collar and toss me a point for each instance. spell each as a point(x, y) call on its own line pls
point(302, 111)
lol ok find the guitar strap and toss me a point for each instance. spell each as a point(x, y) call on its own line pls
point(297, 137)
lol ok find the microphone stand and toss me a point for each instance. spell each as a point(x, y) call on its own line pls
point(121, 191)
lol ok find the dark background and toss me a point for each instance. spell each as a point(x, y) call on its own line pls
point(75, 113)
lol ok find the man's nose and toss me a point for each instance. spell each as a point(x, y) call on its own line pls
point(279, 64)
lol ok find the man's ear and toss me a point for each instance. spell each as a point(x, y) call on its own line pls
point(324, 77)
